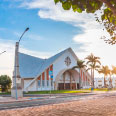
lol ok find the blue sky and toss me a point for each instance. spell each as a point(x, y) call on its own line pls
point(44, 32)
point(52, 30)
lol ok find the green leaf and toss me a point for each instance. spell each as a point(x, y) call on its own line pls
point(107, 16)
point(79, 10)
point(66, 5)
point(56, 1)
point(74, 7)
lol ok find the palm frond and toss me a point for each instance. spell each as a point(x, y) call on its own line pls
point(88, 69)
point(75, 67)
point(80, 64)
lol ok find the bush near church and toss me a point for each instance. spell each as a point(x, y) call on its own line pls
point(5, 83)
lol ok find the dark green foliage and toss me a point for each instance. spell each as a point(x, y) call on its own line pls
point(80, 64)
point(107, 16)
point(5, 83)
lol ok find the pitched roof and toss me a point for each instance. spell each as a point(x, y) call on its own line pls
point(31, 67)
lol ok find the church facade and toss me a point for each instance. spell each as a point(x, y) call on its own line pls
point(54, 73)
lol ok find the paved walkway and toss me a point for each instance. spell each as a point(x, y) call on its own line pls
point(92, 106)
point(10, 99)
point(28, 97)
point(6, 99)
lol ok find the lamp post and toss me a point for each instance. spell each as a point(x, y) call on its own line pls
point(23, 34)
point(2, 52)
point(17, 89)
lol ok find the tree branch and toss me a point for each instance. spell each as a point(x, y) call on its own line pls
point(109, 5)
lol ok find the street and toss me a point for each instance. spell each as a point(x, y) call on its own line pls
point(97, 104)
point(54, 99)
point(40, 100)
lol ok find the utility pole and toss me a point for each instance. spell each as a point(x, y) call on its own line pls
point(16, 91)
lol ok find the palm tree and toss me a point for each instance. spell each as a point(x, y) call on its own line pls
point(93, 67)
point(93, 64)
point(113, 70)
point(104, 70)
point(80, 65)
point(110, 80)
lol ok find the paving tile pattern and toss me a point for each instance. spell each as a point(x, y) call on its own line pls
point(101, 106)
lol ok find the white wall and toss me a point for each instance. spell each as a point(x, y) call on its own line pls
point(32, 87)
point(114, 82)
point(59, 64)
point(97, 83)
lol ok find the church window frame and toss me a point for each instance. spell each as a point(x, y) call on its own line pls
point(39, 83)
point(67, 61)
point(51, 82)
point(43, 83)
point(47, 83)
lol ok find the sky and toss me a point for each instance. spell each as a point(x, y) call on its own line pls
point(52, 30)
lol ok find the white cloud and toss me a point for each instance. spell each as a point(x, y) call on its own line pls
point(93, 44)
point(48, 9)
point(7, 58)
point(31, 36)
point(90, 40)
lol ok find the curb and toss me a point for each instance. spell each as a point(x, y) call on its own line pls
point(37, 98)
point(20, 101)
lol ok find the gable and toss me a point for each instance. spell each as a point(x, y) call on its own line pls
point(68, 53)
point(60, 63)
point(30, 66)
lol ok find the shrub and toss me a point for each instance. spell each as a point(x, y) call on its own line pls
point(5, 83)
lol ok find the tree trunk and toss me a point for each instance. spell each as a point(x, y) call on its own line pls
point(109, 5)
point(110, 82)
point(104, 82)
point(93, 78)
point(79, 79)
point(64, 80)
point(70, 82)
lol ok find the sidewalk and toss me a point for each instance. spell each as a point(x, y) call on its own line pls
point(101, 106)
point(10, 99)
point(31, 97)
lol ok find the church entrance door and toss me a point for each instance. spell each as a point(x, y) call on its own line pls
point(77, 85)
point(67, 86)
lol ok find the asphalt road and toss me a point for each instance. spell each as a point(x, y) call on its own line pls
point(43, 101)
point(52, 100)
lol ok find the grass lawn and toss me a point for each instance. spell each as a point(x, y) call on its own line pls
point(59, 91)
point(66, 91)
point(102, 89)
point(98, 89)
point(5, 93)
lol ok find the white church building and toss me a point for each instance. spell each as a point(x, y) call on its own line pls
point(54, 73)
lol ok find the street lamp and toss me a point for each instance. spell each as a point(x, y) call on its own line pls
point(17, 79)
point(23, 33)
point(2, 52)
